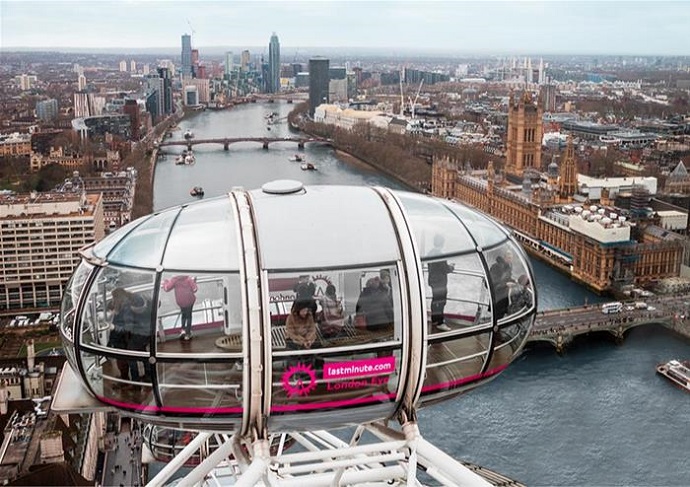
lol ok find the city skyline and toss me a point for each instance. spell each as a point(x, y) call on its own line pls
point(518, 27)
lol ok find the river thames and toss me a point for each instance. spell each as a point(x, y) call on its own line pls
point(597, 416)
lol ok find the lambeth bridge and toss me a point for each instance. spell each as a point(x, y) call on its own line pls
point(560, 327)
point(264, 141)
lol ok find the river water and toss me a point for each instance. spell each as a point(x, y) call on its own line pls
point(596, 416)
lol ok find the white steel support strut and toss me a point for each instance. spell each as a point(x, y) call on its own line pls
point(387, 457)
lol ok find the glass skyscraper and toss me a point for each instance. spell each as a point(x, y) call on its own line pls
point(228, 64)
point(164, 73)
point(186, 68)
point(273, 84)
point(318, 83)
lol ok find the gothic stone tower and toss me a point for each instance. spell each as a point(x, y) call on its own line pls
point(567, 183)
point(525, 130)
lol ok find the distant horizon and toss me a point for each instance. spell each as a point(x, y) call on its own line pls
point(218, 50)
point(616, 28)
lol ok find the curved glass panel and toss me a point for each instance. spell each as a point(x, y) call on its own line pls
point(107, 378)
point(508, 341)
point(509, 275)
point(217, 250)
point(102, 248)
point(201, 387)
point(143, 247)
point(432, 221)
point(335, 336)
point(199, 314)
point(334, 308)
point(70, 300)
point(327, 226)
point(117, 313)
point(455, 363)
point(97, 316)
point(485, 231)
point(68, 347)
point(166, 443)
point(457, 294)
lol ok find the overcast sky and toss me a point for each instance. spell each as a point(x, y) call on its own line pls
point(580, 27)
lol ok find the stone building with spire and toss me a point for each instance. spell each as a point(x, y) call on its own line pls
point(524, 136)
point(594, 243)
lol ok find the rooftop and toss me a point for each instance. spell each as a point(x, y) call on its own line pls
point(30, 205)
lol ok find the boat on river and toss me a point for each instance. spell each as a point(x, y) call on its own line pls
point(188, 134)
point(197, 191)
point(677, 372)
point(186, 158)
point(296, 158)
point(308, 167)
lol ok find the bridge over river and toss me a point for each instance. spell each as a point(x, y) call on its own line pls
point(264, 141)
point(560, 327)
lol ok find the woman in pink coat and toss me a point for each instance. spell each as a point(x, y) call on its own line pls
point(185, 296)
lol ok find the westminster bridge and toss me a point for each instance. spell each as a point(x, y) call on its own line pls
point(559, 327)
point(264, 141)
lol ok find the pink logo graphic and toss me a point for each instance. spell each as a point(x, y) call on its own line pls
point(299, 380)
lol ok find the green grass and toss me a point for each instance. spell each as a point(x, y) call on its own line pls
point(38, 347)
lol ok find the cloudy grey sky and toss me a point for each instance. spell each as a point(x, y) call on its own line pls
point(579, 27)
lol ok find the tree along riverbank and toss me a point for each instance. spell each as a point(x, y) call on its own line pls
point(143, 159)
point(404, 157)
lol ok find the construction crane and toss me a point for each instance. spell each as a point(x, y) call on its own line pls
point(190, 27)
point(413, 103)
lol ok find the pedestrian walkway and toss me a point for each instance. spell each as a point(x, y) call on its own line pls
point(123, 463)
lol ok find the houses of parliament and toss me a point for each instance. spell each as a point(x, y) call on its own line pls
point(582, 233)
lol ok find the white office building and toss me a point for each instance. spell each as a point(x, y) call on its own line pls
point(40, 236)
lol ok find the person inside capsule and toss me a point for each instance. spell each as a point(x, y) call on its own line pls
point(374, 306)
point(300, 327)
point(513, 289)
point(129, 330)
point(438, 281)
point(332, 316)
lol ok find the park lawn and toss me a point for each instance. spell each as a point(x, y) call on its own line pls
point(38, 347)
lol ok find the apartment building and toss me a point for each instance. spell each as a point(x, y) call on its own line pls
point(40, 235)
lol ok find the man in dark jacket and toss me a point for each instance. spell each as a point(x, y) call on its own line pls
point(438, 280)
point(501, 274)
point(375, 305)
point(305, 290)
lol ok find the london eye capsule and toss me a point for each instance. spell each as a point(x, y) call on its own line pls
point(293, 308)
